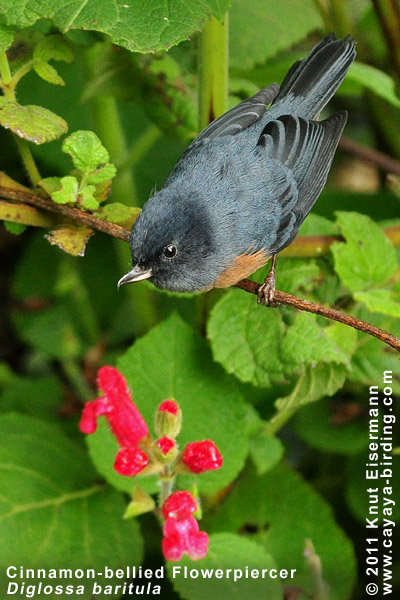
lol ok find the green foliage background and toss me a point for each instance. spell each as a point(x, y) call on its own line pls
point(283, 394)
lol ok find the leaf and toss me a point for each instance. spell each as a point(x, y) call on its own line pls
point(246, 339)
point(87, 199)
point(102, 174)
point(294, 273)
point(53, 47)
point(266, 451)
point(284, 511)
point(140, 26)
point(86, 150)
point(72, 239)
point(306, 342)
point(367, 258)
point(317, 382)
point(382, 301)
point(14, 228)
point(6, 35)
point(287, 22)
point(33, 123)
point(46, 391)
point(48, 73)
point(228, 551)
point(172, 360)
point(119, 213)
point(375, 80)
point(51, 498)
point(68, 191)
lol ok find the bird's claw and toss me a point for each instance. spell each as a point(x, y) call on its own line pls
point(266, 291)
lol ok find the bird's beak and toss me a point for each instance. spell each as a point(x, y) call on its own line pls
point(137, 273)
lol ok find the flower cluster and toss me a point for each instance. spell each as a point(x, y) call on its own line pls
point(140, 454)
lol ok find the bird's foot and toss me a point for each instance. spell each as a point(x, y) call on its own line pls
point(266, 291)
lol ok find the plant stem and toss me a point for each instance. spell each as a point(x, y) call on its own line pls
point(388, 14)
point(213, 71)
point(340, 18)
point(78, 382)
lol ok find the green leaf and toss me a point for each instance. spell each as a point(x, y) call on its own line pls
point(119, 213)
point(317, 382)
point(283, 511)
point(306, 342)
point(140, 26)
point(382, 301)
point(46, 392)
point(15, 228)
point(87, 199)
point(266, 451)
point(67, 193)
point(287, 22)
point(102, 174)
point(367, 258)
point(375, 80)
point(53, 47)
point(294, 273)
point(6, 35)
point(86, 150)
point(172, 360)
point(33, 123)
point(48, 73)
point(51, 498)
point(228, 551)
point(246, 338)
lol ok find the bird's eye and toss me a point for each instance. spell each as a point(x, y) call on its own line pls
point(170, 251)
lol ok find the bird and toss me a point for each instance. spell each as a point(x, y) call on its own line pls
point(241, 190)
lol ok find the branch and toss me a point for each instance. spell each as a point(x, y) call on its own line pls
point(324, 311)
point(381, 160)
point(75, 214)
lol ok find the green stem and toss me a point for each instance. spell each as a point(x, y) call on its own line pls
point(279, 420)
point(81, 298)
point(341, 18)
point(20, 73)
point(9, 93)
point(213, 71)
point(167, 484)
point(388, 14)
point(139, 148)
point(78, 382)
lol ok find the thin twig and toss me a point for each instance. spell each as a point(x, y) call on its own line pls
point(381, 160)
point(324, 311)
point(80, 216)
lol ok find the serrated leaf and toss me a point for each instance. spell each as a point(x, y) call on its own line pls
point(228, 551)
point(86, 150)
point(120, 214)
point(68, 192)
point(103, 174)
point(51, 498)
point(140, 26)
point(306, 342)
point(87, 199)
point(292, 274)
point(48, 73)
point(172, 360)
point(284, 511)
point(375, 80)
point(287, 22)
point(317, 382)
point(72, 239)
point(246, 338)
point(50, 184)
point(6, 35)
point(367, 258)
point(382, 301)
point(33, 123)
point(53, 47)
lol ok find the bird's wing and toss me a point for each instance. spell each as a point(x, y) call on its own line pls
point(240, 116)
point(304, 152)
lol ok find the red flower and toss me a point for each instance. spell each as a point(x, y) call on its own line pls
point(169, 406)
point(184, 536)
point(124, 419)
point(165, 444)
point(126, 422)
point(179, 505)
point(130, 461)
point(201, 456)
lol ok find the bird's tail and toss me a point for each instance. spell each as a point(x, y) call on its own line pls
point(311, 83)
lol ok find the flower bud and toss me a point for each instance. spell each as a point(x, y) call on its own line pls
point(168, 419)
point(130, 461)
point(201, 456)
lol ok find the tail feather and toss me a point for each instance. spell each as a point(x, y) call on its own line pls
point(314, 80)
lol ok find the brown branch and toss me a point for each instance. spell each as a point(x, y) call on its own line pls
point(75, 214)
point(381, 160)
point(325, 311)
point(69, 212)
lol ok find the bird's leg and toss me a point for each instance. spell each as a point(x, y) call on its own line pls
point(266, 291)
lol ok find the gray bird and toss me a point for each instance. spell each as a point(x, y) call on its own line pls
point(240, 192)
